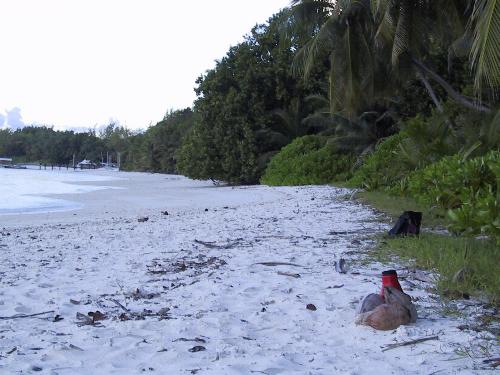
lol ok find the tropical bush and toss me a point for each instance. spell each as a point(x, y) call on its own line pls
point(383, 167)
point(469, 189)
point(427, 140)
point(308, 160)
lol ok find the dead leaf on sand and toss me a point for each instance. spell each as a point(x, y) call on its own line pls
point(197, 348)
point(96, 315)
point(311, 307)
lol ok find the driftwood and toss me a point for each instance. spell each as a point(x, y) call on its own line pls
point(19, 316)
point(416, 341)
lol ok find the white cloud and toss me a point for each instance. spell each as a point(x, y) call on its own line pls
point(81, 62)
point(14, 120)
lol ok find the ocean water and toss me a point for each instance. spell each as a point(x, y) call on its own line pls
point(29, 190)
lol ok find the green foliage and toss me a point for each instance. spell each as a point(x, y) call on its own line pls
point(485, 55)
point(46, 145)
point(469, 189)
point(423, 141)
point(427, 140)
point(382, 168)
point(356, 77)
point(307, 160)
point(162, 141)
point(240, 125)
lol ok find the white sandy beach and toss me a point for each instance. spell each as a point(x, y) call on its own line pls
point(184, 293)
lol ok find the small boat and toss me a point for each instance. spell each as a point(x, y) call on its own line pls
point(14, 166)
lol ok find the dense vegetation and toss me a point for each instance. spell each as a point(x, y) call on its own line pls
point(250, 106)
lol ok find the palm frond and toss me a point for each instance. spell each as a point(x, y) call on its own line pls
point(459, 48)
point(306, 57)
point(401, 41)
point(490, 131)
point(318, 100)
point(386, 25)
point(485, 52)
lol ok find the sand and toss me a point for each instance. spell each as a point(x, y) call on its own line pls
point(196, 291)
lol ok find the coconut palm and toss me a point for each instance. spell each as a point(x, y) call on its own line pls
point(411, 28)
point(484, 25)
point(361, 136)
point(346, 39)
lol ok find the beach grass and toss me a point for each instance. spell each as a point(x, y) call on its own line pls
point(432, 217)
point(447, 255)
point(466, 266)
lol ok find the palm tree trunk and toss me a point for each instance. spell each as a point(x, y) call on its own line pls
point(451, 125)
point(455, 95)
point(431, 92)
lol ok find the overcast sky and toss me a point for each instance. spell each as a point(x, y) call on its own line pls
point(80, 63)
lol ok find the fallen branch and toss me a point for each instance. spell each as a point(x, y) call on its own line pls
point(119, 305)
point(19, 316)
point(273, 264)
point(295, 275)
point(196, 339)
point(393, 346)
point(213, 245)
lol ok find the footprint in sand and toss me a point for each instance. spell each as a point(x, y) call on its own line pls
point(22, 309)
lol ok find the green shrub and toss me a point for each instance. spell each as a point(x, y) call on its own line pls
point(469, 189)
point(383, 167)
point(422, 141)
point(427, 140)
point(307, 160)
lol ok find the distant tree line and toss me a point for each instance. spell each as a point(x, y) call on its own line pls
point(150, 150)
point(46, 145)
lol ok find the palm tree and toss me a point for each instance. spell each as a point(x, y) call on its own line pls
point(410, 28)
point(346, 39)
point(360, 136)
point(484, 25)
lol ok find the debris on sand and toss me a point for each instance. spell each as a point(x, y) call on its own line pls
point(311, 307)
point(199, 265)
point(289, 274)
point(274, 264)
point(340, 266)
point(197, 348)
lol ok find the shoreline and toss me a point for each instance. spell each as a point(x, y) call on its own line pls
point(133, 193)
